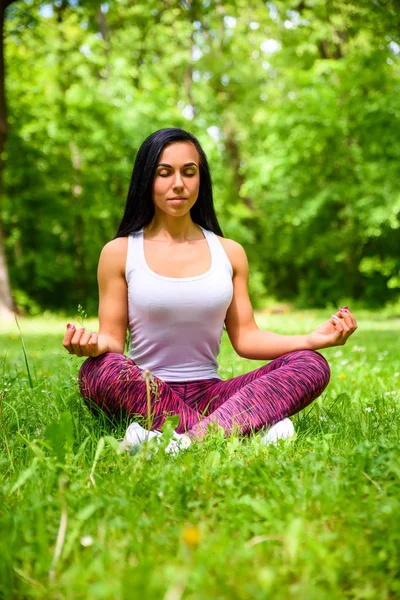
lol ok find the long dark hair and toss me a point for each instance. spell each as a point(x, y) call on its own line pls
point(139, 207)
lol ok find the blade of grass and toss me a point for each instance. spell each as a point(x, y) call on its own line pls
point(61, 530)
point(25, 354)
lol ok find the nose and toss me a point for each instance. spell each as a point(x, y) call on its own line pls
point(178, 183)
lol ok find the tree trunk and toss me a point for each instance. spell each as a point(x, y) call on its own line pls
point(6, 300)
point(233, 153)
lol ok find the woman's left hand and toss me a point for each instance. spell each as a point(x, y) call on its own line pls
point(334, 332)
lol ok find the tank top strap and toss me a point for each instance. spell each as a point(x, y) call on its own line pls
point(218, 253)
point(135, 255)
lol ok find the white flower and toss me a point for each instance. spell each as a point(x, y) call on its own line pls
point(369, 409)
point(86, 541)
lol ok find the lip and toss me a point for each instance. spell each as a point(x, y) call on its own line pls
point(177, 200)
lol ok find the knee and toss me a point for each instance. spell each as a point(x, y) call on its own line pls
point(94, 369)
point(86, 376)
point(318, 365)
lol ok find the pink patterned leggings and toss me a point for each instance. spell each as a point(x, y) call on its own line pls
point(245, 403)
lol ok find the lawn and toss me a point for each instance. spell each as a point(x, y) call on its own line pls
point(315, 518)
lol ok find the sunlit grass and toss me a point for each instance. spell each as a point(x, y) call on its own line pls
point(312, 519)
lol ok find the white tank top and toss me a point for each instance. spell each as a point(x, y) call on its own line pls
point(175, 323)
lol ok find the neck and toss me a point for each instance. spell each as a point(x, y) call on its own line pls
point(177, 229)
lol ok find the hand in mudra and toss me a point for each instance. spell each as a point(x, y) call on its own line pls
point(82, 343)
point(335, 331)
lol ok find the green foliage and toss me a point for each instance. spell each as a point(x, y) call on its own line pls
point(296, 104)
point(60, 435)
point(229, 518)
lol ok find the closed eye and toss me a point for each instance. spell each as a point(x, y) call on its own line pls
point(168, 173)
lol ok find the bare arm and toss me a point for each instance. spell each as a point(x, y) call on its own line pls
point(250, 341)
point(113, 307)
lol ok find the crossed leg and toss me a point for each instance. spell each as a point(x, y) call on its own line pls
point(264, 396)
point(116, 385)
point(247, 403)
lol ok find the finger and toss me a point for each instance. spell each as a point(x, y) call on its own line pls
point(352, 325)
point(93, 344)
point(84, 340)
point(349, 317)
point(85, 348)
point(89, 344)
point(353, 321)
point(342, 331)
point(346, 323)
point(337, 322)
point(69, 332)
point(75, 342)
point(68, 337)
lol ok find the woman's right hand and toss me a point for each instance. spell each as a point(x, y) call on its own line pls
point(83, 343)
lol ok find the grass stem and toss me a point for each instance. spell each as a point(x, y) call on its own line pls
point(25, 354)
point(61, 530)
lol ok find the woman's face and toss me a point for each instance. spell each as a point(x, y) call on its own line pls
point(177, 179)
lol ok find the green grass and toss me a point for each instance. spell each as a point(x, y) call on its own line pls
point(229, 519)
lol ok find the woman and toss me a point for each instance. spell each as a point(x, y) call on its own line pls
point(174, 281)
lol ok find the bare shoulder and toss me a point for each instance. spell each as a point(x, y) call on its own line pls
point(113, 255)
point(235, 252)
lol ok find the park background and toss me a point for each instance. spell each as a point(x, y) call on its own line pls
point(297, 105)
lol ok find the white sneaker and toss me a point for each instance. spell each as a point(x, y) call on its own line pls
point(136, 435)
point(282, 430)
point(177, 443)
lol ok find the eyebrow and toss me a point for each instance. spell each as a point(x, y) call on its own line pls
point(191, 164)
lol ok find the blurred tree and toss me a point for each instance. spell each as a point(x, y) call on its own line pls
point(296, 104)
point(309, 94)
point(6, 300)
